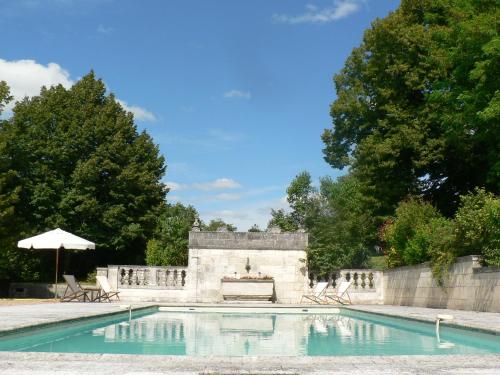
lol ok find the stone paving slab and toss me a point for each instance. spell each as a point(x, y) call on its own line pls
point(484, 321)
point(24, 316)
point(113, 364)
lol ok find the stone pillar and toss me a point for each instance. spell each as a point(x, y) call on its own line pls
point(113, 277)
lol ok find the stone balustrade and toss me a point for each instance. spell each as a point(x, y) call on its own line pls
point(135, 277)
point(366, 285)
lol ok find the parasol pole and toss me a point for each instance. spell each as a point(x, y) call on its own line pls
point(57, 269)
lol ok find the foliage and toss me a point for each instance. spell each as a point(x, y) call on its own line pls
point(282, 220)
point(341, 231)
point(215, 224)
point(73, 158)
point(418, 107)
point(301, 196)
point(408, 236)
point(255, 228)
point(419, 233)
point(478, 226)
point(338, 224)
point(169, 245)
point(442, 247)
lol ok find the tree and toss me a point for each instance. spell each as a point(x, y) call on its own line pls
point(169, 245)
point(255, 228)
point(282, 220)
point(343, 230)
point(301, 197)
point(215, 224)
point(84, 167)
point(12, 261)
point(418, 107)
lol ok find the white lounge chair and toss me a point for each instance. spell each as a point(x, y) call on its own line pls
point(342, 293)
point(106, 292)
point(319, 293)
point(74, 292)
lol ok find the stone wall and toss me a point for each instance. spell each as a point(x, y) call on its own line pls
point(468, 287)
point(215, 255)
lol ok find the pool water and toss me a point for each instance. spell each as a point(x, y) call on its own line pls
point(256, 334)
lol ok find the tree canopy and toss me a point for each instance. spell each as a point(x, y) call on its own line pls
point(340, 229)
point(214, 224)
point(418, 105)
point(73, 158)
point(169, 244)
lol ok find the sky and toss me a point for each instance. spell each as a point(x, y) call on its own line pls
point(235, 93)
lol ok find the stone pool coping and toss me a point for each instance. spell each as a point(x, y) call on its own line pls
point(27, 316)
point(472, 320)
point(69, 363)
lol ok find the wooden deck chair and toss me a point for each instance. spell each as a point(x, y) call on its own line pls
point(319, 293)
point(106, 292)
point(342, 296)
point(74, 292)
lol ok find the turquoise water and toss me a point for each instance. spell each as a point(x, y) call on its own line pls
point(240, 334)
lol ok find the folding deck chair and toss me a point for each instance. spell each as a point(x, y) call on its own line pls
point(319, 293)
point(106, 292)
point(74, 292)
point(342, 293)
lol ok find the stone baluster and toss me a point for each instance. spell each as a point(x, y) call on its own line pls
point(140, 276)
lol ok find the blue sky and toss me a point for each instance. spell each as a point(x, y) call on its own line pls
point(236, 93)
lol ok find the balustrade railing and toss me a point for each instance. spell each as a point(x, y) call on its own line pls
point(362, 280)
point(152, 277)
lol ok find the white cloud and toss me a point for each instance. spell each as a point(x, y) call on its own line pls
point(339, 10)
point(238, 94)
point(174, 186)
point(245, 216)
point(26, 78)
point(220, 183)
point(139, 113)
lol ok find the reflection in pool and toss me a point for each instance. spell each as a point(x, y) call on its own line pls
point(263, 334)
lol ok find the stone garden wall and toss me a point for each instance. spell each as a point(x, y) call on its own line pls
point(214, 256)
point(468, 287)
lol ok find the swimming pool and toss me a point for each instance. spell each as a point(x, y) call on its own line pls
point(239, 333)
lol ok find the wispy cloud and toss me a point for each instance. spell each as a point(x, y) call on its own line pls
point(140, 114)
point(101, 29)
point(340, 9)
point(217, 184)
point(238, 94)
point(26, 78)
point(220, 183)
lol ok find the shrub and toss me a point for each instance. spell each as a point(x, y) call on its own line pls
point(408, 236)
point(442, 249)
point(478, 226)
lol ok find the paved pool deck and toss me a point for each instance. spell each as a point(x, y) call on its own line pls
point(23, 316)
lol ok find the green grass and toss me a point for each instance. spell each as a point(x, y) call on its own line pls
point(377, 262)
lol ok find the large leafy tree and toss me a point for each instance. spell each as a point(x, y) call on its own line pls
point(12, 262)
point(83, 166)
point(169, 245)
point(341, 229)
point(418, 104)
